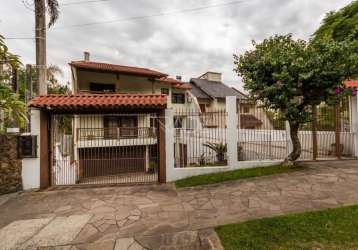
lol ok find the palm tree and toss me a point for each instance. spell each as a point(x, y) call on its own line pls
point(12, 109)
point(52, 8)
point(219, 148)
point(8, 62)
point(51, 72)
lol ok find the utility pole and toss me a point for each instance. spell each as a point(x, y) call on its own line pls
point(28, 93)
point(28, 82)
point(40, 32)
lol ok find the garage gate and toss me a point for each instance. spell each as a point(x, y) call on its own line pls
point(104, 148)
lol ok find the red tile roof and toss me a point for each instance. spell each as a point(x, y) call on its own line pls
point(176, 84)
point(351, 83)
point(170, 80)
point(93, 102)
point(117, 68)
point(183, 86)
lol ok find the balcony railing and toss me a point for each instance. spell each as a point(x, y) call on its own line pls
point(115, 133)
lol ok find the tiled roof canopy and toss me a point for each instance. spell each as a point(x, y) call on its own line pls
point(175, 83)
point(117, 68)
point(351, 83)
point(95, 102)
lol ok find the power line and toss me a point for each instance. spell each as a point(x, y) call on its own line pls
point(154, 15)
point(19, 38)
point(83, 2)
point(22, 38)
point(30, 6)
point(138, 17)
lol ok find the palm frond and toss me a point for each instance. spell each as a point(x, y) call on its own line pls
point(53, 70)
point(217, 147)
point(53, 11)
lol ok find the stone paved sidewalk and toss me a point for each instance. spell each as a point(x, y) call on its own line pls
point(160, 217)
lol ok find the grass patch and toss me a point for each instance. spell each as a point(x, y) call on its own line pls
point(234, 175)
point(327, 229)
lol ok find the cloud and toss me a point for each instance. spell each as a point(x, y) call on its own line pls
point(186, 44)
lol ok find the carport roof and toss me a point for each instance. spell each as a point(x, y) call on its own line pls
point(95, 102)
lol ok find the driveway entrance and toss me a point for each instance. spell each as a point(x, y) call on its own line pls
point(150, 213)
point(104, 148)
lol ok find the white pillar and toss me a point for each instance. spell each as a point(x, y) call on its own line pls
point(31, 166)
point(354, 121)
point(231, 131)
point(146, 158)
point(169, 144)
point(288, 138)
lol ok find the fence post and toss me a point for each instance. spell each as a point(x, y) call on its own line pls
point(288, 138)
point(314, 132)
point(354, 122)
point(231, 131)
point(338, 129)
point(31, 166)
point(169, 144)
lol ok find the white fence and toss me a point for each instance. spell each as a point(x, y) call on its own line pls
point(245, 147)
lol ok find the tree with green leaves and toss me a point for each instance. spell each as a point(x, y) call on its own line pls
point(9, 63)
point(12, 109)
point(291, 76)
point(339, 25)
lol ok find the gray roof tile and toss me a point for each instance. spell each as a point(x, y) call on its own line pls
point(213, 89)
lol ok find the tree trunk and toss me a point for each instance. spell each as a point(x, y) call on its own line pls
point(40, 32)
point(296, 144)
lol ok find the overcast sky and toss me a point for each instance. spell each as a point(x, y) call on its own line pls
point(184, 38)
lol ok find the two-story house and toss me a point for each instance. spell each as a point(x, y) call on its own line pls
point(211, 92)
point(108, 144)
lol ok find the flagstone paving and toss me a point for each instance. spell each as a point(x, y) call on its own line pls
point(161, 217)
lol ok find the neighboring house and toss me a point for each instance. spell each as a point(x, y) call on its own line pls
point(211, 92)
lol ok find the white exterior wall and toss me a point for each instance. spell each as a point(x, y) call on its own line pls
point(31, 167)
point(126, 84)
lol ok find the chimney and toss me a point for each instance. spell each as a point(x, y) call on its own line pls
point(178, 78)
point(86, 55)
point(211, 76)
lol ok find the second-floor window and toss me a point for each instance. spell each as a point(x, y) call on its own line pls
point(123, 126)
point(102, 87)
point(178, 98)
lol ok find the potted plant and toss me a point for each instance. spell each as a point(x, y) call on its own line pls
point(152, 167)
point(219, 148)
point(202, 161)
